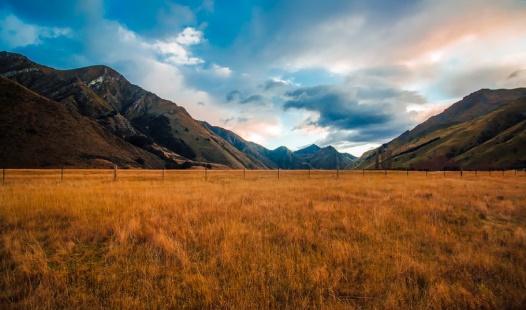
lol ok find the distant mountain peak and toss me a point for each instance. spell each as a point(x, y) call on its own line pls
point(282, 149)
point(309, 150)
point(330, 148)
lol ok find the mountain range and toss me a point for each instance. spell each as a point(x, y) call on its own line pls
point(94, 117)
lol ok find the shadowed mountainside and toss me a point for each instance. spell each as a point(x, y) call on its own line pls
point(38, 132)
point(128, 111)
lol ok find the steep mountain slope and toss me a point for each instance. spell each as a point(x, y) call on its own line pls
point(485, 130)
point(253, 150)
point(128, 111)
point(37, 132)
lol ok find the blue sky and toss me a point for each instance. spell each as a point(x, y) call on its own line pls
point(353, 73)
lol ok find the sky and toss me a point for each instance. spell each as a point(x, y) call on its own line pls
point(348, 73)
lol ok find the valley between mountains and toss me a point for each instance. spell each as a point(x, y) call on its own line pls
point(94, 118)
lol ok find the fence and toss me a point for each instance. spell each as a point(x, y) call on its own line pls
point(209, 175)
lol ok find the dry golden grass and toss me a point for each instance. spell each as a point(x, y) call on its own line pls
point(352, 242)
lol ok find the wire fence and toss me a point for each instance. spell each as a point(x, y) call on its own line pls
point(210, 175)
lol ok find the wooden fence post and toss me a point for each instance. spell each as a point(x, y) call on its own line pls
point(115, 173)
point(244, 173)
point(444, 171)
point(407, 172)
point(426, 173)
point(461, 172)
point(363, 172)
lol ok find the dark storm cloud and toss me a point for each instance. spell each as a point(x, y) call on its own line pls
point(355, 114)
point(377, 134)
point(337, 109)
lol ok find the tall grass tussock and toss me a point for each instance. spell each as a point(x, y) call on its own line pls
point(258, 242)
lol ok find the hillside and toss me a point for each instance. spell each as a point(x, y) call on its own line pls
point(37, 132)
point(129, 112)
point(485, 130)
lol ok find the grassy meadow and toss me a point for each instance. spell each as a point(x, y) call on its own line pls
point(253, 241)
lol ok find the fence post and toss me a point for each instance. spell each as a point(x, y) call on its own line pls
point(444, 171)
point(115, 173)
point(244, 173)
point(407, 172)
point(426, 173)
point(363, 172)
point(489, 172)
point(461, 172)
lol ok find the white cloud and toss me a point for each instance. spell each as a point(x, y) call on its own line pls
point(190, 36)
point(221, 71)
point(16, 33)
point(175, 53)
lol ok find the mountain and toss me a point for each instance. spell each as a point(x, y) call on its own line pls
point(349, 156)
point(129, 112)
point(38, 132)
point(281, 157)
point(311, 157)
point(253, 150)
point(324, 158)
point(485, 130)
point(309, 150)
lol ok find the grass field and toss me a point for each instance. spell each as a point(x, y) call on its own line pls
point(253, 241)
